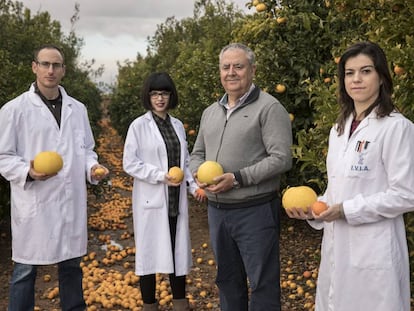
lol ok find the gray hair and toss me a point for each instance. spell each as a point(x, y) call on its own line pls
point(239, 46)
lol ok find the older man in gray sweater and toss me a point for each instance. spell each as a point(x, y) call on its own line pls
point(249, 133)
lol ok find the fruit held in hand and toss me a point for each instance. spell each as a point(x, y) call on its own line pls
point(201, 193)
point(208, 171)
point(319, 207)
point(176, 173)
point(48, 162)
point(300, 197)
point(99, 171)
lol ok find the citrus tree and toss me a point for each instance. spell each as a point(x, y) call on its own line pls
point(188, 50)
point(388, 23)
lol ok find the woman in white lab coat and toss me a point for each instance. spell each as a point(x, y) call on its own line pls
point(370, 166)
point(156, 142)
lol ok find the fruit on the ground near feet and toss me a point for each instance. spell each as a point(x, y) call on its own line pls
point(299, 197)
point(208, 171)
point(176, 173)
point(319, 207)
point(99, 171)
point(48, 162)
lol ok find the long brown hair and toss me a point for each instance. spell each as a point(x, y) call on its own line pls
point(383, 104)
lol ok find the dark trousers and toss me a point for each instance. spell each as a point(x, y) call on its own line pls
point(177, 283)
point(245, 242)
point(22, 286)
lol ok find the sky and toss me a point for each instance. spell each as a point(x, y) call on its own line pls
point(115, 30)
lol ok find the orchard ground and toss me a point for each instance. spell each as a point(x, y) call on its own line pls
point(109, 281)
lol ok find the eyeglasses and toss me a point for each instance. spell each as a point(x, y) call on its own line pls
point(46, 65)
point(156, 94)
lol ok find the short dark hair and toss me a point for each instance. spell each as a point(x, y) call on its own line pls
point(48, 46)
point(383, 104)
point(159, 81)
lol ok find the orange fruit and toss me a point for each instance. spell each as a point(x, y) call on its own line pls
point(260, 7)
point(281, 20)
point(398, 70)
point(307, 274)
point(201, 192)
point(99, 171)
point(280, 88)
point(319, 207)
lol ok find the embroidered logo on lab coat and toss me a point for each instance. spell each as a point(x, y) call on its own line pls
point(361, 147)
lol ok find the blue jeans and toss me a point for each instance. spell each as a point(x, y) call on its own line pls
point(245, 242)
point(22, 284)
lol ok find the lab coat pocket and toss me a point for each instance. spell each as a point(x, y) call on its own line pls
point(79, 137)
point(364, 160)
point(23, 203)
point(153, 197)
point(370, 246)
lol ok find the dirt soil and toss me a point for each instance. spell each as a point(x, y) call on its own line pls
point(111, 251)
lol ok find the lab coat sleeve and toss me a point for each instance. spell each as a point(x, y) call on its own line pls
point(91, 156)
point(192, 185)
point(134, 165)
point(398, 197)
point(198, 154)
point(12, 166)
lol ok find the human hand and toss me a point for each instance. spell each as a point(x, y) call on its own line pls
point(169, 180)
point(38, 176)
point(299, 213)
point(200, 195)
point(223, 183)
point(334, 212)
point(99, 172)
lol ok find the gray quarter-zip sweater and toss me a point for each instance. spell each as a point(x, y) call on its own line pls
point(255, 143)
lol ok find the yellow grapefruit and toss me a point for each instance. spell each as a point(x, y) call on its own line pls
point(48, 162)
point(176, 173)
point(99, 171)
point(300, 197)
point(208, 171)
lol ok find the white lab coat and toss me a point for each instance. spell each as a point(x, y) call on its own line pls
point(48, 218)
point(364, 259)
point(145, 159)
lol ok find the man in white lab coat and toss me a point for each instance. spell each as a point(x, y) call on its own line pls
point(48, 211)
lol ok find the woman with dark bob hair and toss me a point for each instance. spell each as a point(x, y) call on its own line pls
point(156, 142)
point(370, 167)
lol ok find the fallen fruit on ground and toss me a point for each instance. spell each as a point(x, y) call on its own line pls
point(176, 173)
point(48, 162)
point(208, 171)
point(299, 197)
point(319, 207)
